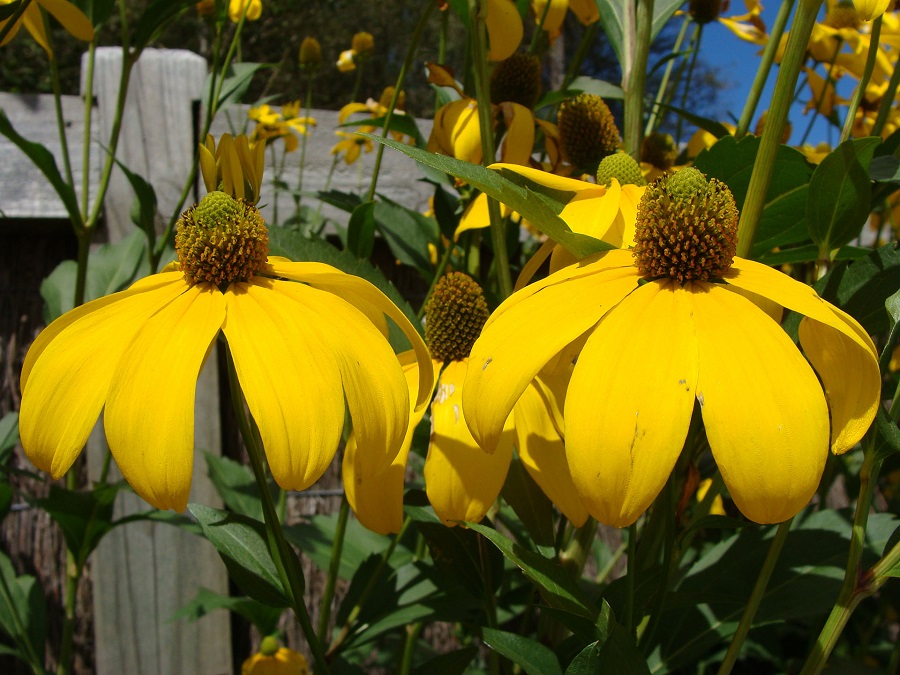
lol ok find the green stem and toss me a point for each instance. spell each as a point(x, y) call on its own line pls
point(282, 554)
point(574, 557)
point(57, 101)
point(864, 81)
point(629, 578)
point(398, 88)
point(756, 596)
point(765, 66)
point(86, 138)
point(804, 20)
point(334, 565)
point(656, 110)
point(438, 273)
point(692, 64)
point(409, 646)
point(887, 103)
point(536, 36)
point(584, 48)
point(477, 13)
point(637, 77)
point(307, 106)
point(14, 19)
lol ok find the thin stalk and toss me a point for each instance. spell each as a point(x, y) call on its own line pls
point(629, 578)
point(307, 106)
point(398, 87)
point(13, 20)
point(756, 596)
point(536, 36)
point(887, 103)
point(634, 91)
point(57, 101)
point(864, 81)
point(584, 48)
point(490, 600)
point(610, 566)
point(334, 565)
point(86, 139)
point(829, 77)
point(477, 13)
point(282, 554)
point(574, 557)
point(788, 73)
point(692, 64)
point(765, 66)
point(409, 646)
point(656, 109)
point(438, 273)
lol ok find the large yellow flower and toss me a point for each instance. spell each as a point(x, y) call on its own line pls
point(271, 659)
point(675, 321)
point(303, 336)
point(72, 19)
point(461, 480)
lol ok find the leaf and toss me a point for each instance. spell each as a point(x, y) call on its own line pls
point(892, 305)
point(9, 436)
point(460, 557)
point(236, 485)
point(888, 435)
point(404, 124)
point(98, 11)
point(617, 654)
point(539, 208)
point(235, 84)
point(618, 24)
point(885, 169)
point(532, 656)
point(156, 18)
point(810, 253)
point(241, 543)
point(531, 505)
point(43, 159)
point(23, 613)
point(83, 517)
point(263, 617)
point(840, 192)
point(717, 129)
point(407, 232)
point(143, 209)
point(361, 230)
point(558, 588)
point(451, 663)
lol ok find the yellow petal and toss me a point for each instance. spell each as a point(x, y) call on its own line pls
point(368, 299)
point(461, 480)
point(149, 418)
point(519, 138)
point(72, 19)
point(549, 180)
point(585, 10)
point(290, 379)
point(871, 9)
point(627, 409)
point(350, 109)
point(543, 453)
point(374, 487)
point(69, 368)
point(531, 267)
point(763, 408)
point(838, 347)
point(208, 166)
point(465, 132)
point(374, 386)
point(505, 30)
point(34, 24)
point(475, 216)
point(526, 331)
point(554, 16)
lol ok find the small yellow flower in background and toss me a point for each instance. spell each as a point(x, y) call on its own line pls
point(272, 125)
point(235, 166)
point(304, 337)
point(362, 43)
point(352, 144)
point(894, 365)
point(815, 153)
point(748, 27)
point(69, 16)
point(871, 9)
point(345, 62)
point(679, 319)
point(237, 9)
point(361, 46)
point(271, 659)
point(461, 480)
point(702, 140)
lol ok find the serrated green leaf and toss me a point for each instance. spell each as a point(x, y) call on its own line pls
point(263, 617)
point(539, 208)
point(840, 192)
point(532, 656)
point(44, 160)
point(241, 543)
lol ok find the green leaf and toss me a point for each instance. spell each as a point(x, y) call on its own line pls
point(263, 617)
point(408, 234)
point(717, 129)
point(241, 543)
point(892, 305)
point(531, 505)
point(83, 517)
point(361, 230)
point(236, 486)
point(618, 24)
point(98, 11)
point(541, 208)
point(888, 435)
point(143, 209)
point(156, 18)
point(558, 588)
point(6, 497)
point(23, 613)
point(404, 124)
point(617, 654)
point(840, 192)
point(810, 253)
point(457, 556)
point(43, 159)
point(532, 656)
point(451, 663)
point(885, 169)
point(9, 436)
point(237, 80)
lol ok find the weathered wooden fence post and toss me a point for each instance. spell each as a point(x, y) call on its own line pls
point(143, 573)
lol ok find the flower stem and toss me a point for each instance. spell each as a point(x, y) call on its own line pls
point(334, 565)
point(795, 52)
point(282, 554)
point(656, 110)
point(637, 77)
point(86, 138)
point(756, 596)
point(692, 64)
point(307, 106)
point(629, 578)
point(887, 103)
point(438, 273)
point(765, 66)
point(864, 81)
point(409, 646)
point(57, 100)
point(398, 88)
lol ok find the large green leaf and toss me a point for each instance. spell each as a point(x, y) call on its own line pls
point(840, 192)
point(23, 614)
point(237, 80)
point(541, 208)
point(407, 232)
point(533, 657)
point(361, 230)
point(241, 543)
point(885, 169)
point(618, 24)
point(43, 159)
point(83, 517)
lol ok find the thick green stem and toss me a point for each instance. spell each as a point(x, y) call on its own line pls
point(804, 20)
point(765, 66)
point(334, 565)
point(656, 112)
point(398, 88)
point(478, 35)
point(282, 554)
point(864, 81)
point(637, 77)
point(409, 646)
point(756, 596)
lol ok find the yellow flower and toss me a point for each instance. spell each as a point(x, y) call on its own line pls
point(235, 166)
point(274, 660)
point(749, 26)
point(362, 46)
point(702, 139)
point(824, 96)
point(650, 335)
point(345, 62)
point(272, 125)
point(585, 10)
point(72, 19)
point(304, 337)
point(352, 144)
point(461, 480)
point(238, 8)
point(871, 9)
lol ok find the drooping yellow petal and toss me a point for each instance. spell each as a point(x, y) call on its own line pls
point(69, 368)
point(547, 179)
point(34, 24)
point(290, 379)
point(72, 19)
point(763, 408)
point(374, 487)
point(518, 141)
point(838, 347)
point(553, 15)
point(525, 332)
point(870, 9)
point(461, 480)
point(505, 29)
point(208, 164)
point(585, 10)
point(627, 413)
point(368, 299)
point(350, 109)
point(465, 132)
point(149, 418)
point(374, 385)
point(543, 453)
